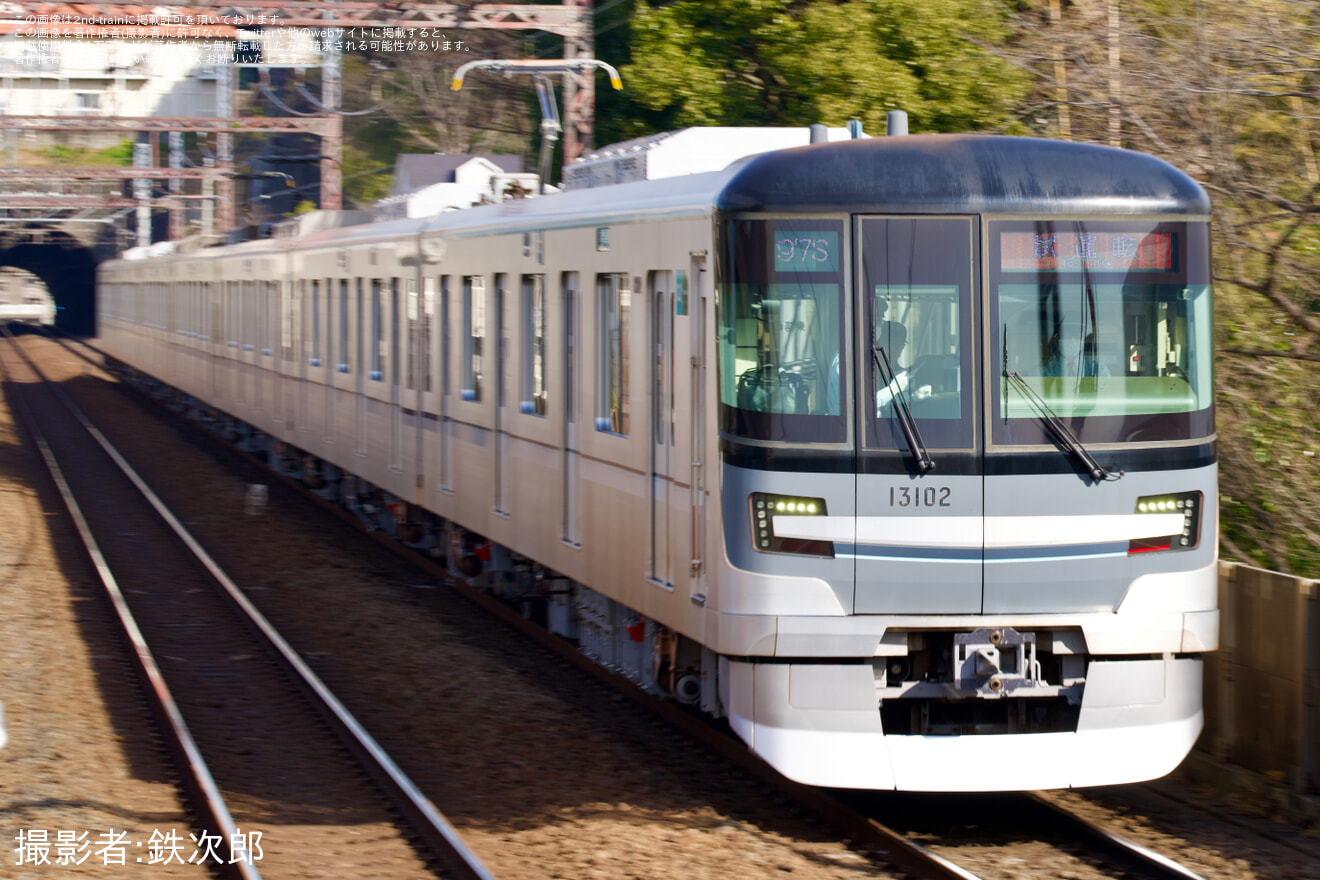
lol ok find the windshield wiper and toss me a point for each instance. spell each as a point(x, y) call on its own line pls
point(905, 420)
point(1056, 424)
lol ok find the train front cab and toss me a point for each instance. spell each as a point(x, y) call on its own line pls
point(963, 599)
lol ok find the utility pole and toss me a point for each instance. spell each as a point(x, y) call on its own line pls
point(579, 86)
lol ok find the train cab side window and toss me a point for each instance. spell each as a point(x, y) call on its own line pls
point(613, 302)
point(532, 394)
point(474, 334)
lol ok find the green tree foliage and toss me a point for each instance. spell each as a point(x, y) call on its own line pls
point(119, 154)
point(775, 62)
point(366, 177)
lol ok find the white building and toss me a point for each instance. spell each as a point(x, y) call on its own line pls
point(118, 61)
point(425, 185)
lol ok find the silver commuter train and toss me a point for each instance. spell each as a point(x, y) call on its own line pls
point(898, 453)
point(24, 299)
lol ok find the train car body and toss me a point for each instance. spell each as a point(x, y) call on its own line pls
point(899, 453)
point(24, 299)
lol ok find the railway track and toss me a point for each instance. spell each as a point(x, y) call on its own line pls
point(859, 825)
point(259, 742)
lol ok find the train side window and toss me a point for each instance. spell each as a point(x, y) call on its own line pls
point(533, 394)
point(474, 334)
point(359, 329)
point(377, 329)
point(445, 363)
point(269, 327)
point(392, 323)
point(245, 315)
point(568, 291)
point(411, 338)
point(613, 301)
point(343, 325)
point(288, 317)
point(316, 322)
point(428, 315)
point(234, 310)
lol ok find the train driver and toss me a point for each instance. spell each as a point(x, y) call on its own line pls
point(892, 337)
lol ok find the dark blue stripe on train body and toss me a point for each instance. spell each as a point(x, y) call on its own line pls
point(997, 464)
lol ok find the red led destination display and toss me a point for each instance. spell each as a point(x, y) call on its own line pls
point(1090, 251)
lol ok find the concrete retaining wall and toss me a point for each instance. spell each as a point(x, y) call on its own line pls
point(1262, 688)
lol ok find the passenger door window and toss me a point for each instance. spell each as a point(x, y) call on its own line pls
point(917, 287)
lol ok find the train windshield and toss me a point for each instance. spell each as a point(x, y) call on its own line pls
point(1109, 323)
point(781, 331)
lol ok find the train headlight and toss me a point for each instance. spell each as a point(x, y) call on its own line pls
point(764, 509)
point(1189, 504)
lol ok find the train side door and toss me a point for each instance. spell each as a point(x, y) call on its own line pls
point(501, 417)
point(572, 526)
point(243, 333)
point(919, 542)
point(446, 428)
point(336, 348)
point(393, 318)
point(302, 348)
point(214, 337)
point(260, 301)
point(697, 491)
point(662, 336)
point(359, 374)
point(283, 345)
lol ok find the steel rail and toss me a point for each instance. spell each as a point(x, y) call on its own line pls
point(427, 820)
point(1120, 849)
point(197, 776)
